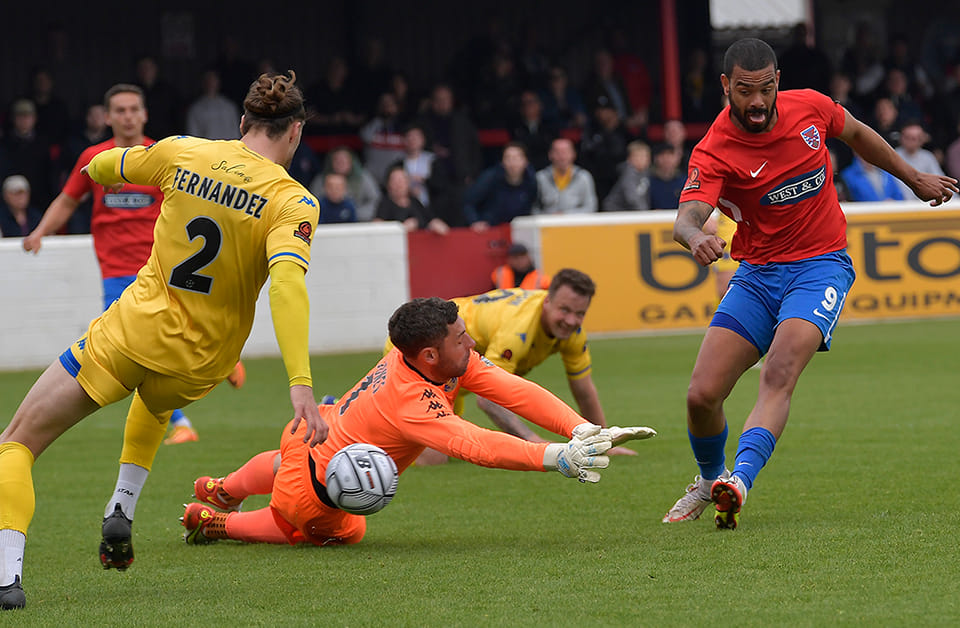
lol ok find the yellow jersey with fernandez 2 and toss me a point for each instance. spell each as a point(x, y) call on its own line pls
point(228, 214)
point(506, 326)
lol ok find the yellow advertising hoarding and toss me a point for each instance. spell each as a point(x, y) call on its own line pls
point(907, 261)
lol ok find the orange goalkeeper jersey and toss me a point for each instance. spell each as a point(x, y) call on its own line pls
point(400, 411)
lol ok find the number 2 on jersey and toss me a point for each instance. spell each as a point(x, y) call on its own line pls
point(184, 275)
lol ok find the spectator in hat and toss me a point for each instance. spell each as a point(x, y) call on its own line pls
point(28, 152)
point(18, 216)
point(519, 271)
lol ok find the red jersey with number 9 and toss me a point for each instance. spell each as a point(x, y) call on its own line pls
point(777, 185)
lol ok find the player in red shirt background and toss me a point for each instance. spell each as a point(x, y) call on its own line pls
point(122, 221)
point(765, 164)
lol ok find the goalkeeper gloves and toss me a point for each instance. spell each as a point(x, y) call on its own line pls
point(584, 452)
point(620, 435)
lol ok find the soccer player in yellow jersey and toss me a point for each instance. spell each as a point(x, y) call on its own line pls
point(518, 329)
point(231, 215)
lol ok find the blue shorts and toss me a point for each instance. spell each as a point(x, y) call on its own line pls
point(113, 288)
point(760, 297)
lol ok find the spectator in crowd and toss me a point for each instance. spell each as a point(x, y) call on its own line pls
point(895, 89)
point(305, 165)
point(382, 138)
point(666, 179)
point(501, 192)
point(698, 98)
point(408, 105)
point(675, 134)
point(901, 58)
point(866, 182)
point(519, 271)
point(803, 65)
point(398, 204)
point(452, 138)
point(886, 121)
point(332, 101)
point(945, 109)
point(563, 187)
point(604, 145)
point(840, 87)
point(912, 139)
point(235, 71)
point(843, 193)
point(533, 131)
point(861, 63)
point(18, 216)
point(53, 116)
point(953, 155)
point(165, 105)
point(362, 188)
point(335, 205)
point(213, 115)
point(497, 96)
point(94, 131)
point(604, 82)
point(418, 163)
point(532, 60)
point(636, 79)
point(632, 190)
point(372, 77)
point(562, 103)
point(27, 151)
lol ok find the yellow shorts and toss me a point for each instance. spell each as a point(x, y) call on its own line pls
point(295, 499)
point(107, 375)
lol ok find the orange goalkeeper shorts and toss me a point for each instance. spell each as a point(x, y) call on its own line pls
point(297, 502)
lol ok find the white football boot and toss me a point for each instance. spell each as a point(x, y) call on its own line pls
point(694, 501)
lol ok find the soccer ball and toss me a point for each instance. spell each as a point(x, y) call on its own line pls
point(361, 479)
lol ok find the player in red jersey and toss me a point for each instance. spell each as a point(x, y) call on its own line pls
point(122, 220)
point(404, 404)
point(764, 163)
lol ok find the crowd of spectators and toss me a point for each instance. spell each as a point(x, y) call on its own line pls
point(514, 137)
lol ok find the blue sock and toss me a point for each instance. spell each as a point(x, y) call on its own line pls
point(178, 418)
point(709, 453)
point(756, 447)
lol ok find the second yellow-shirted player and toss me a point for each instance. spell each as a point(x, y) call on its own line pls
point(519, 329)
point(231, 215)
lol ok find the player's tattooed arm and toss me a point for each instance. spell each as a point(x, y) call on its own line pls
point(688, 231)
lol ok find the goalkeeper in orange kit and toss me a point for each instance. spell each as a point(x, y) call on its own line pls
point(404, 404)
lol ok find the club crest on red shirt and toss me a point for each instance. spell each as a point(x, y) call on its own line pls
point(304, 231)
point(811, 135)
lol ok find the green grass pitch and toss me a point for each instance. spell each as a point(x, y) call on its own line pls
point(854, 521)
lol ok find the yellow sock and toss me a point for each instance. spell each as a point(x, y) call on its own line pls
point(17, 501)
point(142, 434)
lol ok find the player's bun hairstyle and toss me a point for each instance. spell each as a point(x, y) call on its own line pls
point(750, 54)
point(273, 102)
point(578, 281)
point(421, 323)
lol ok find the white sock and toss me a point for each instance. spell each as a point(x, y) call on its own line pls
point(12, 543)
point(130, 483)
